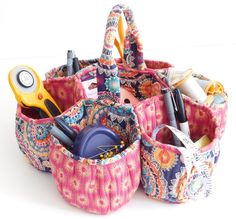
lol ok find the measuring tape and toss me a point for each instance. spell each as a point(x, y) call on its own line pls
point(192, 157)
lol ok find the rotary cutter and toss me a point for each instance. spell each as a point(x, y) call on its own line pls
point(30, 92)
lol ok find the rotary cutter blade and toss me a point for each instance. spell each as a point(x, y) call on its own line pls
point(30, 92)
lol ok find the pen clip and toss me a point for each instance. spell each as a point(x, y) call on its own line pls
point(173, 100)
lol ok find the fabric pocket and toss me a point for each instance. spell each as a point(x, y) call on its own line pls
point(98, 186)
point(171, 173)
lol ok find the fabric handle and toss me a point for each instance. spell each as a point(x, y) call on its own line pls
point(108, 81)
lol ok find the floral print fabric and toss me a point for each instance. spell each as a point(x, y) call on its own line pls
point(164, 172)
point(108, 80)
point(101, 187)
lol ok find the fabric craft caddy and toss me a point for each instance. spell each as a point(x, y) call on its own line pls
point(167, 172)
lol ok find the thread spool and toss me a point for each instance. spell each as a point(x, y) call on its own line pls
point(188, 86)
point(210, 87)
point(203, 141)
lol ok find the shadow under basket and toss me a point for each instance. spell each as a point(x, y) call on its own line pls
point(164, 172)
point(98, 186)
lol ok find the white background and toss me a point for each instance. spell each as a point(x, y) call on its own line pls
point(198, 34)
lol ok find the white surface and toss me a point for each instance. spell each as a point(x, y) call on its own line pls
point(198, 34)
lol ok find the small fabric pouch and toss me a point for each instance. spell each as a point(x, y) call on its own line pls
point(176, 173)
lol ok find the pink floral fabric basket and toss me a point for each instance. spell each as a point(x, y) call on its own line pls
point(167, 172)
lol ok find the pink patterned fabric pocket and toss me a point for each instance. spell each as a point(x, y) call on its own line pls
point(32, 132)
point(98, 186)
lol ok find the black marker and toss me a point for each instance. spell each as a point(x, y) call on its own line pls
point(62, 137)
point(170, 112)
point(71, 133)
point(75, 64)
point(181, 113)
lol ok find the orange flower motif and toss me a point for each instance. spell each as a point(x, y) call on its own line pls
point(165, 158)
point(146, 89)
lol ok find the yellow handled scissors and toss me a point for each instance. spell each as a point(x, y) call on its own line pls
point(120, 44)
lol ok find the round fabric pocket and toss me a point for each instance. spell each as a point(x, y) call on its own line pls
point(98, 186)
point(32, 132)
point(167, 174)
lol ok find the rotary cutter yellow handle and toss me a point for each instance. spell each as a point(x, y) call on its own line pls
point(30, 92)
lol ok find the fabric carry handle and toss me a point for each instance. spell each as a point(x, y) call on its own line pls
point(132, 42)
point(108, 81)
point(192, 157)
